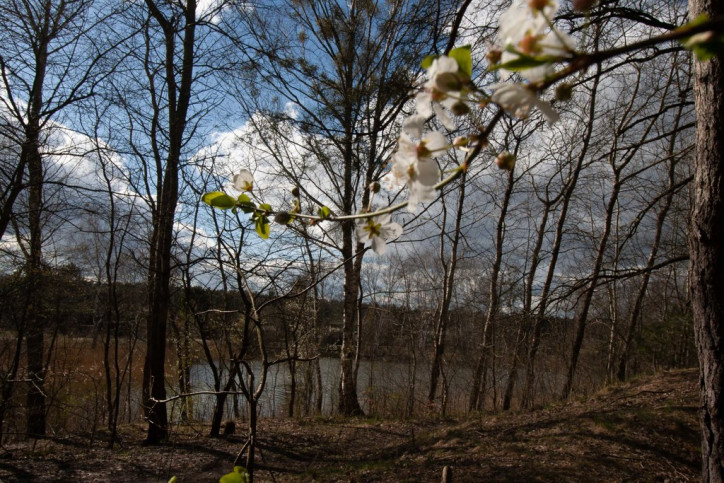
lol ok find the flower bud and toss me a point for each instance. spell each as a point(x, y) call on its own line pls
point(283, 218)
point(564, 92)
point(460, 142)
point(505, 160)
point(529, 44)
point(494, 55)
point(584, 5)
point(460, 109)
point(538, 4)
point(448, 82)
point(474, 139)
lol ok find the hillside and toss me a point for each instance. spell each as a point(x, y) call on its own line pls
point(644, 430)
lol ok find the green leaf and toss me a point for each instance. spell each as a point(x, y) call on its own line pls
point(464, 58)
point(324, 212)
point(704, 45)
point(523, 62)
point(265, 207)
point(704, 52)
point(261, 224)
point(427, 61)
point(245, 203)
point(218, 199)
point(239, 475)
point(700, 19)
point(172, 480)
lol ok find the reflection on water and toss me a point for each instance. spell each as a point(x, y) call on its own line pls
point(383, 388)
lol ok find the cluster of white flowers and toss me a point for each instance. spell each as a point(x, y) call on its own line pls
point(444, 89)
point(526, 29)
point(413, 164)
point(529, 45)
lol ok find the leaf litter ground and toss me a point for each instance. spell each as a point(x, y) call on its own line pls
point(644, 430)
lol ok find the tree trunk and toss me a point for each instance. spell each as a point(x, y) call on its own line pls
point(348, 401)
point(30, 156)
point(179, 97)
point(637, 309)
point(221, 396)
point(706, 248)
point(292, 387)
point(526, 324)
point(35, 338)
point(443, 313)
point(477, 393)
point(6, 389)
point(581, 319)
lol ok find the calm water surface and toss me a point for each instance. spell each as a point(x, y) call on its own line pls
point(382, 387)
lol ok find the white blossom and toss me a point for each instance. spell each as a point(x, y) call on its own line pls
point(518, 100)
point(244, 180)
point(443, 89)
point(413, 164)
point(377, 230)
point(444, 75)
point(421, 185)
point(413, 125)
point(526, 28)
point(554, 44)
point(525, 17)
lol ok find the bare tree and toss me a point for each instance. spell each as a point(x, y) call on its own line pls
point(674, 155)
point(707, 248)
point(637, 123)
point(482, 366)
point(344, 70)
point(158, 97)
point(442, 314)
point(48, 64)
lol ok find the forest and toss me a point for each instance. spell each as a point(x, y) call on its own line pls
point(546, 252)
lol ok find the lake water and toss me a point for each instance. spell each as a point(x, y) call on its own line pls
point(382, 387)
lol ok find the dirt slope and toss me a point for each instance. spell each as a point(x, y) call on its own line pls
point(645, 430)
